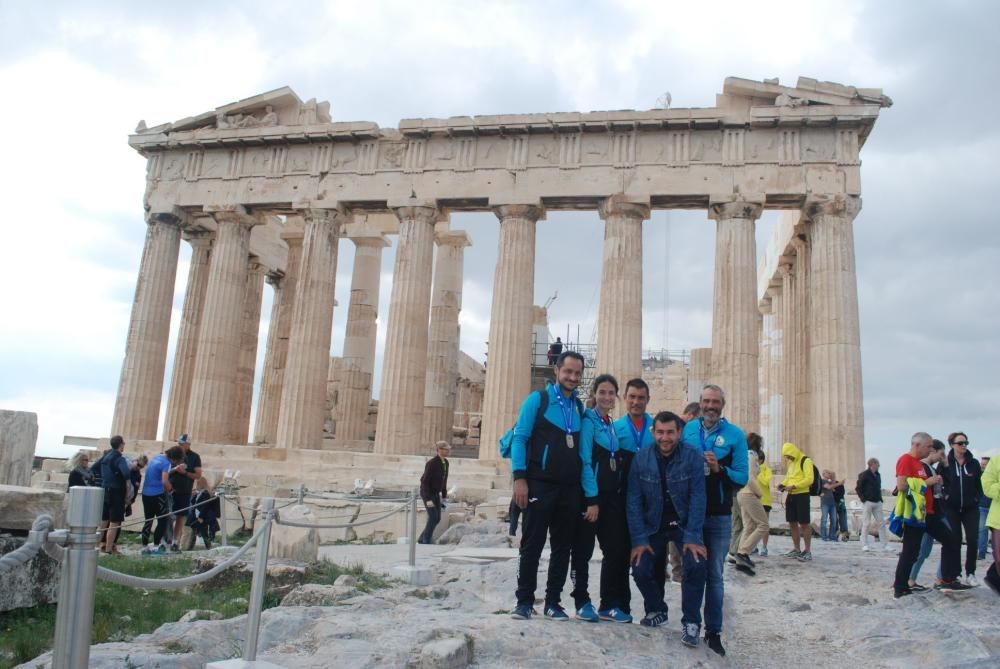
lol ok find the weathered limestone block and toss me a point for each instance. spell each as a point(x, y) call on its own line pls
point(39, 477)
point(453, 653)
point(295, 543)
point(31, 584)
point(20, 505)
point(18, 433)
point(314, 594)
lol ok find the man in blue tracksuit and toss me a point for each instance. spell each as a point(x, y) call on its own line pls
point(724, 449)
point(665, 504)
point(549, 480)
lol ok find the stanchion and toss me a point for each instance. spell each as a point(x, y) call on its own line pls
point(413, 527)
point(222, 519)
point(75, 612)
point(302, 494)
point(257, 588)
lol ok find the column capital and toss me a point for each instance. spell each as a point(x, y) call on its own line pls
point(231, 213)
point(274, 277)
point(331, 215)
point(456, 238)
point(198, 237)
point(370, 239)
point(417, 212)
point(785, 269)
point(173, 216)
point(618, 205)
point(738, 208)
point(532, 212)
point(843, 206)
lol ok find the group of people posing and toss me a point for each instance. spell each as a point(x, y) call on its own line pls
point(175, 495)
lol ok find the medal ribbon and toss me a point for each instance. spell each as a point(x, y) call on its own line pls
point(567, 411)
point(636, 434)
point(612, 437)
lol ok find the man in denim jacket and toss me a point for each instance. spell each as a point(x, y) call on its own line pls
point(666, 503)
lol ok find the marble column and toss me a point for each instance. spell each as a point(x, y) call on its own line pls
point(699, 372)
point(404, 364)
point(276, 356)
point(360, 338)
point(248, 349)
point(791, 355)
point(441, 388)
point(735, 346)
point(619, 318)
point(213, 387)
point(770, 374)
point(836, 397)
point(175, 423)
point(802, 285)
point(303, 392)
point(140, 388)
point(508, 368)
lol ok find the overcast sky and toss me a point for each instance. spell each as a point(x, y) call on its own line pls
point(76, 79)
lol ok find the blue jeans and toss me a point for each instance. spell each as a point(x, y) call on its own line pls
point(718, 530)
point(828, 511)
point(651, 576)
point(984, 533)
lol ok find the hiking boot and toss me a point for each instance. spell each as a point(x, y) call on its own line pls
point(654, 619)
point(792, 554)
point(587, 613)
point(522, 612)
point(714, 641)
point(614, 615)
point(556, 612)
point(805, 556)
point(689, 635)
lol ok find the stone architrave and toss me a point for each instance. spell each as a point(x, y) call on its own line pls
point(619, 318)
point(140, 389)
point(248, 349)
point(508, 368)
point(18, 434)
point(699, 372)
point(404, 369)
point(358, 360)
point(836, 397)
point(735, 345)
point(175, 423)
point(276, 356)
point(303, 392)
point(213, 388)
point(443, 339)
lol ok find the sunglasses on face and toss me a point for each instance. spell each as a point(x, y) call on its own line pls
point(961, 443)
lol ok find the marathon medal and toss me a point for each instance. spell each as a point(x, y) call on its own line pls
point(614, 463)
point(570, 442)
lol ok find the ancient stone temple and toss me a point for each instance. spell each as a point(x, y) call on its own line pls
point(263, 189)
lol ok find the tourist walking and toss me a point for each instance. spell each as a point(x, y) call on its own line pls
point(869, 491)
point(991, 489)
point(962, 485)
point(984, 510)
point(434, 489)
point(549, 478)
point(155, 495)
point(755, 522)
point(78, 467)
point(828, 508)
point(724, 449)
point(182, 478)
point(666, 504)
point(117, 489)
point(799, 476)
point(931, 465)
point(911, 478)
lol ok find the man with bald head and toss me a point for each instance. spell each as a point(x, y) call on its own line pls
point(911, 472)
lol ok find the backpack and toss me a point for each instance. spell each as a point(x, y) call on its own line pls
point(507, 440)
point(110, 459)
point(816, 487)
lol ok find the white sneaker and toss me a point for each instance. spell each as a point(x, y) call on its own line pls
point(866, 548)
point(888, 549)
point(971, 581)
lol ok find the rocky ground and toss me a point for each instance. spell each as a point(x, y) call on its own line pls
point(836, 611)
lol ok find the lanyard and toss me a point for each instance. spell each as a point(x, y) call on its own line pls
point(704, 436)
point(567, 411)
point(636, 434)
point(612, 437)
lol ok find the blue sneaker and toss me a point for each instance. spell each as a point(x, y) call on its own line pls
point(614, 615)
point(763, 551)
point(556, 612)
point(522, 612)
point(689, 637)
point(587, 613)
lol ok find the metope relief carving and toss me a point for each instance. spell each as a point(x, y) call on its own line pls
point(392, 155)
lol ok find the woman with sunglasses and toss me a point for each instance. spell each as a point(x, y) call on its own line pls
point(963, 485)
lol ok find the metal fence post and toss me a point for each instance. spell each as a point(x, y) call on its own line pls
point(75, 612)
point(222, 518)
point(257, 588)
point(413, 527)
point(302, 494)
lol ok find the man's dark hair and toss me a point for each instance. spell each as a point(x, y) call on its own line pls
point(174, 453)
point(669, 417)
point(755, 442)
point(693, 408)
point(937, 445)
point(603, 378)
point(117, 442)
point(637, 383)
point(568, 354)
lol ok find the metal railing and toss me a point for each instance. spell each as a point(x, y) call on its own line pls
point(75, 548)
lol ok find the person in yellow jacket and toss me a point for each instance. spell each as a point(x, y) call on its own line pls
point(991, 488)
point(764, 481)
point(798, 479)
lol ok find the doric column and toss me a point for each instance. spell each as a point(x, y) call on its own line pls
point(837, 412)
point(248, 349)
point(303, 392)
point(404, 363)
point(699, 372)
point(802, 287)
point(770, 374)
point(140, 388)
point(790, 353)
point(508, 368)
point(175, 423)
point(276, 356)
point(619, 319)
point(441, 389)
point(360, 338)
point(735, 347)
point(213, 388)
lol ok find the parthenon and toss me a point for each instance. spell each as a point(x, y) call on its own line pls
point(264, 188)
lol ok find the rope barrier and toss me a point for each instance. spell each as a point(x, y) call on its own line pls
point(354, 498)
point(292, 523)
point(142, 521)
point(29, 549)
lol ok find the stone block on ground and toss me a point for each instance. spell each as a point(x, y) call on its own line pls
point(20, 505)
point(31, 584)
point(452, 653)
point(314, 594)
point(18, 433)
point(295, 543)
point(415, 575)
